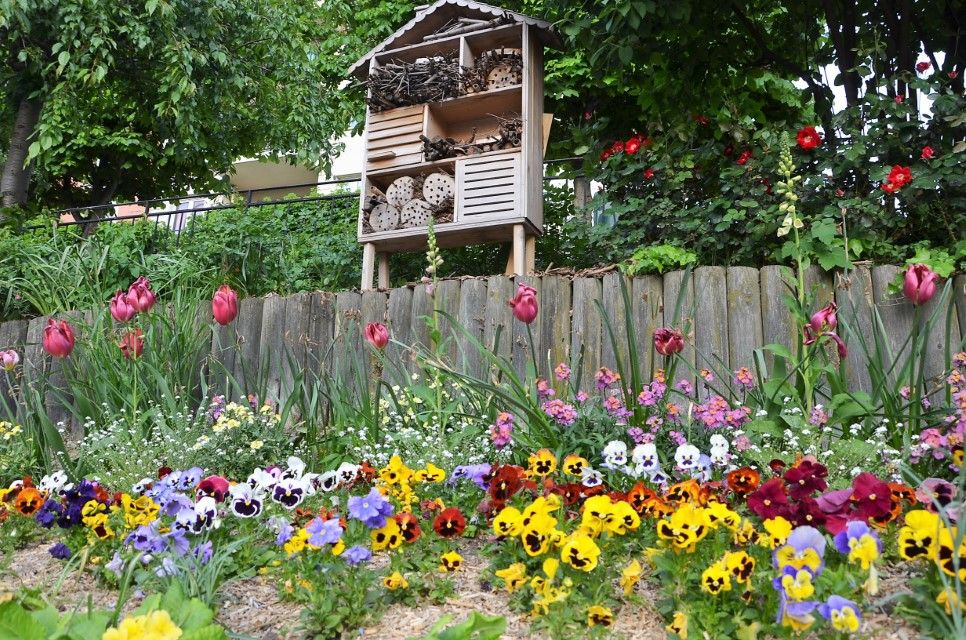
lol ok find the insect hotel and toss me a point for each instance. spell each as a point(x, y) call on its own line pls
point(455, 134)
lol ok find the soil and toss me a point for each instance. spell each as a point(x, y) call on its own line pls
point(251, 608)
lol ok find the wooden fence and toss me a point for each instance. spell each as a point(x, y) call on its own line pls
point(732, 311)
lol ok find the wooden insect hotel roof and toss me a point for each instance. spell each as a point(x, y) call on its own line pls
point(433, 19)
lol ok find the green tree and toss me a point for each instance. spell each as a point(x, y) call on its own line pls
point(108, 100)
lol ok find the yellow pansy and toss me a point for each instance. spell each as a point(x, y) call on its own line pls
point(679, 625)
point(580, 552)
point(542, 463)
point(621, 519)
point(599, 616)
point(431, 473)
point(514, 576)
point(716, 579)
point(777, 531)
point(917, 539)
point(394, 581)
point(574, 465)
point(951, 560)
point(685, 528)
point(630, 576)
point(720, 515)
point(740, 564)
point(450, 561)
point(156, 625)
point(745, 534)
point(509, 522)
point(388, 537)
point(949, 600)
point(395, 472)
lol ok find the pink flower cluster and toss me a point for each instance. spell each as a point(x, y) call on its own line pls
point(562, 372)
point(501, 431)
point(715, 413)
point(560, 411)
point(605, 378)
point(652, 393)
point(616, 408)
point(544, 390)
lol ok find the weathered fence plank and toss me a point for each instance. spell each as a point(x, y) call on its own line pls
point(959, 296)
point(399, 313)
point(246, 365)
point(295, 341)
point(272, 350)
point(745, 332)
point(448, 301)
point(554, 319)
point(348, 342)
point(895, 311)
point(853, 295)
point(422, 310)
point(935, 342)
point(648, 303)
point(585, 333)
point(470, 317)
point(778, 323)
point(613, 303)
point(498, 319)
point(318, 356)
point(711, 321)
point(35, 359)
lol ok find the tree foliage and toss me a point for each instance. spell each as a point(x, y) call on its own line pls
point(139, 99)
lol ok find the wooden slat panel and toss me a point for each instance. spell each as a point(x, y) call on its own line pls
point(778, 324)
point(398, 161)
point(422, 308)
point(648, 302)
point(497, 316)
point(401, 146)
point(959, 298)
point(295, 339)
point(490, 191)
point(374, 304)
point(448, 301)
point(404, 132)
point(895, 311)
point(487, 186)
point(348, 339)
point(321, 334)
point(470, 317)
point(272, 347)
point(400, 329)
point(744, 316)
point(246, 363)
point(554, 319)
point(854, 299)
point(711, 321)
point(674, 283)
point(379, 117)
point(936, 363)
point(613, 302)
point(586, 328)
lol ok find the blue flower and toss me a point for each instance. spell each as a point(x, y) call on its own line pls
point(115, 565)
point(60, 551)
point(48, 513)
point(356, 555)
point(203, 551)
point(371, 509)
point(324, 531)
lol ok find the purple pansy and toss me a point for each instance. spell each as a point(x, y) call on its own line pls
point(372, 509)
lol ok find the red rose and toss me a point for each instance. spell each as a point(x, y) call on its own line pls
point(900, 176)
point(702, 120)
point(604, 155)
point(744, 157)
point(809, 138)
point(889, 187)
point(953, 74)
point(648, 173)
point(899, 99)
point(633, 145)
point(923, 66)
point(617, 147)
point(839, 193)
point(927, 153)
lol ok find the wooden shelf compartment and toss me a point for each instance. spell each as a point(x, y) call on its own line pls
point(474, 44)
point(458, 117)
point(448, 234)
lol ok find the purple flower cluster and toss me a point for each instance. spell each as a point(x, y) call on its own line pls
point(371, 509)
point(475, 472)
point(651, 393)
point(329, 531)
point(616, 408)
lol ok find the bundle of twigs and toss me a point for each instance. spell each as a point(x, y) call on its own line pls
point(400, 84)
point(509, 135)
point(478, 78)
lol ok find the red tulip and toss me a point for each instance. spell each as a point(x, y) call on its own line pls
point(58, 338)
point(668, 341)
point(377, 334)
point(224, 305)
point(9, 359)
point(524, 304)
point(121, 308)
point(825, 318)
point(919, 285)
point(132, 344)
point(140, 296)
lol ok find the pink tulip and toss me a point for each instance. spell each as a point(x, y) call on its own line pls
point(839, 344)
point(524, 304)
point(919, 285)
point(668, 341)
point(825, 318)
point(140, 296)
point(121, 308)
point(224, 305)
point(9, 359)
point(377, 334)
point(58, 338)
point(132, 344)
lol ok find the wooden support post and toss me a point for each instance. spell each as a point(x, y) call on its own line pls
point(519, 250)
point(383, 269)
point(368, 265)
point(531, 254)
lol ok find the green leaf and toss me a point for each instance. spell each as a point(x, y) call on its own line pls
point(17, 624)
point(210, 632)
